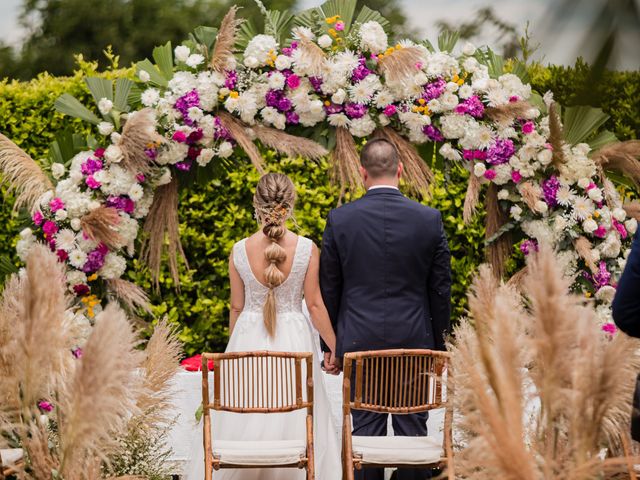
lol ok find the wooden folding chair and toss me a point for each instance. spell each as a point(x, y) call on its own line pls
point(398, 382)
point(258, 382)
point(10, 461)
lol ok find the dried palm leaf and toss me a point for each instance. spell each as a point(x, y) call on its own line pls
point(23, 175)
point(585, 250)
point(100, 397)
point(312, 57)
point(222, 55)
point(238, 131)
point(100, 225)
point(530, 194)
point(345, 162)
point(139, 133)
point(556, 136)
point(130, 294)
point(401, 65)
point(632, 209)
point(506, 114)
point(622, 157)
point(416, 173)
point(287, 144)
point(471, 198)
point(499, 250)
point(162, 222)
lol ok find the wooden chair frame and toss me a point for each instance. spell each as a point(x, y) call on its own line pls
point(287, 369)
point(389, 365)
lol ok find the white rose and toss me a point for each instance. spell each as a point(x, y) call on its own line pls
point(276, 81)
point(93, 205)
point(205, 156)
point(383, 120)
point(325, 41)
point(76, 224)
point(105, 128)
point(105, 106)
point(150, 97)
point(316, 107)
point(26, 233)
point(182, 53)
point(619, 214)
point(595, 194)
point(57, 170)
point(479, 169)
point(606, 294)
point(115, 137)
point(465, 91)
point(283, 62)
point(61, 215)
point(195, 114)
point(136, 192)
point(113, 154)
point(225, 150)
point(631, 225)
point(469, 49)
point(194, 60)
point(515, 212)
point(544, 156)
point(503, 194)
point(144, 76)
point(251, 62)
point(448, 152)
point(339, 97)
point(165, 178)
point(541, 206)
point(589, 225)
point(584, 182)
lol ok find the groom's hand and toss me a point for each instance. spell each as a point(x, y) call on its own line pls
point(329, 362)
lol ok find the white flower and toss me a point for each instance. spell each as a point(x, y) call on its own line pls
point(582, 207)
point(303, 33)
point(373, 37)
point(469, 49)
point(251, 62)
point(65, 239)
point(174, 152)
point(259, 49)
point(338, 120)
point(105, 106)
point(114, 266)
point(57, 170)
point(564, 195)
point(465, 91)
point(150, 97)
point(515, 212)
point(27, 234)
point(595, 194)
point(383, 98)
point(182, 53)
point(479, 169)
point(276, 81)
point(362, 127)
point(225, 150)
point(165, 178)
point(144, 76)
point(619, 214)
point(194, 60)
point(544, 156)
point(205, 156)
point(584, 182)
point(606, 294)
point(115, 138)
point(631, 225)
point(503, 194)
point(383, 120)
point(77, 258)
point(325, 41)
point(195, 114)
point(611, 246)
point(283, 62)
point(136, 192)
point(61, 215)
point(75, 277)
point(113, 154)
point(448, 152)
point(339, 97)
point(76, 224)
point(105, 128)
point(589, 225)
point(271, 116)
point(362, 91)
point(541, 206)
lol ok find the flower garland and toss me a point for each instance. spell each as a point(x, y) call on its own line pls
point(345, 76)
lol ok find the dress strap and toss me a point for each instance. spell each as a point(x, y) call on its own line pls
point(240, 259)
point(303, 255)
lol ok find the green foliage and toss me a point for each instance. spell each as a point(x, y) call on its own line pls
point(218, 213)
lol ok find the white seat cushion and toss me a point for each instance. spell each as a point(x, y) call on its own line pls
point(397, 450)
point(10, 456)
point(259, 453)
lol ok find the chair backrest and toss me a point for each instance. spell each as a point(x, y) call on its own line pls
point(395, 381)
point(259, 382)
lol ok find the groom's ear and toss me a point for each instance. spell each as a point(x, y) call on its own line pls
point(400, 169)
point(363, 173)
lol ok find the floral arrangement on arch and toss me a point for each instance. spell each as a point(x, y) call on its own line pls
point(315, 84)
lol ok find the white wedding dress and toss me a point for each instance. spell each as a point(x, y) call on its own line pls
point(293, 334)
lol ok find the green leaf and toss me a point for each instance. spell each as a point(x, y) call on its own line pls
point(368, 15)
point(580, 122)
point(121, 99)
point(520, 70)
point(428, 45)
point(605, 137)
point(493, 61)
point(501, 231)
point(157, 79)
point(246, 32)
point(100, 88)
point(134, 95)
point(344, 8)
point(278, 24)
point(205, 35)
point(69, 105)
point(309, 18)
point(163, 55)
point(447, 40)
point(6, 267)
point(199, 413)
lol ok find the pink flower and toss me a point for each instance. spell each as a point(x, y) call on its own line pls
point(99, 152)
point(180, 137)
point(516, 176)
point(77, 352)
point(620, 228)
point(45, 406)
point(600, 232)
point(490, 174)
point(37, 217)
point(514, 99)
point(339, 26)
point(49, 228)
point(56, 204)
point(140, 177)
point(527, 128)
point(62, 255)
point(609, 328)
point(389, 110)
point(419, 65)
point(591, 186)
point(92, 183)
point(293, 81)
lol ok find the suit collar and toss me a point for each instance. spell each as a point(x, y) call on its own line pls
point(383, 190)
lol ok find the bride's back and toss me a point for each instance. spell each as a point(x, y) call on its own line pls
point(256, 245)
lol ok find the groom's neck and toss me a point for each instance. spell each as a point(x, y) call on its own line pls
point(382, 181)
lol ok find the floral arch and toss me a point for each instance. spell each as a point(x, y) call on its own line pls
point(316, 84)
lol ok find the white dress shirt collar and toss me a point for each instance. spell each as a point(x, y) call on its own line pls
point(383, 186)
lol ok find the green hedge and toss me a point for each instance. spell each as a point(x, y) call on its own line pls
point(214, 216)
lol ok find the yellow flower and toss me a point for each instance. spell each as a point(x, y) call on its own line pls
point(380, 56)
point(398, 47)
point(332, 20)
point(587, 294)
point(327, 103)
point(234, 94)
point(460, 82)
point(422, 101)
point(90, 312)
point(389, 51)
point(93, 277)
point(455, 78)
point(596, 214)
point(415, 109)
point(333, 33)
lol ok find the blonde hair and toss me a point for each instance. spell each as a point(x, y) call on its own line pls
point(273, 201)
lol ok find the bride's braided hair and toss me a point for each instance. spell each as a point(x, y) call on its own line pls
point(273, 201)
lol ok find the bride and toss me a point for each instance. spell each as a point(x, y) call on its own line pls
point(270, 274)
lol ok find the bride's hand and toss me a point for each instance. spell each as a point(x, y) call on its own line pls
point(330, 366)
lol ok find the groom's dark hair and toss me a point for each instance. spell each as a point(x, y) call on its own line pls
point(379, 158)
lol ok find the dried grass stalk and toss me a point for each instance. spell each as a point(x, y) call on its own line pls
point(23, 175)
point(517, 279)
point(506, 114)
point(287, 144)
point(42, 461)
point(222, 54)
point(622, 157)
point(417, 174)
point(632, 209)
point(345, 161)
point(530, 194)
point(138, 134)
point(312, 56)
point(400, 65)
point(162, 222)
point(130, 294)
point(585, 250)
point(499, 250)
point(556, 136)
point(238, 131)
point(100, 397)
point(11, 315)
point(100, 225)
point(471, 198)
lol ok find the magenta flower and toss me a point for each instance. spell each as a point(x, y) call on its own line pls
point(433, 133)
point(81, 290)
point(92, 182)
point(316, 83)
point(490, 174)
point(528, 246)
point(292, 117)
point(140, 177)
point(609, 328)
point(99, 152)
point(516, 176)
point(500, 152)
point(56, 204)
point(550, 189)
point(77, 352)
point(339, 26)
point(471, 106)
point(620, 228)
point(390, 110)
point(514, 99)
point(185, 102)
point(293, 81)
point(434, 89)
point(184, 166)
point(45, 406)
point(600, 232)
point(528, 127)
point(179, 137)
point(355, 110)
point(49, 228)
point(37, 217)
point(90, 166)
point(62, 255)
point(231, 79)
point(602, 277)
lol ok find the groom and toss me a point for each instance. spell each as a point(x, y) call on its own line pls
point(385, 276)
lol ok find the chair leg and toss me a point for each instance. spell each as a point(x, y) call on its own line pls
point(347, 451)
point(310, 449)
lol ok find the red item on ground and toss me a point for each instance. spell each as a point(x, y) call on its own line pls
point(194, 364)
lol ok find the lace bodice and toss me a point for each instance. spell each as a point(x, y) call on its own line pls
point(289, 294)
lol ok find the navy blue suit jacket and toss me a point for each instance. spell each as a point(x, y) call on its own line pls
point(626, 304)
point(385, 274)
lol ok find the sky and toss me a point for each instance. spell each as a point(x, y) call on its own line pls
point(559, 48)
